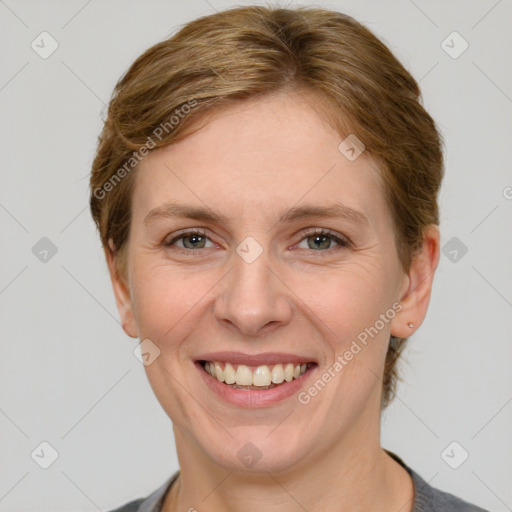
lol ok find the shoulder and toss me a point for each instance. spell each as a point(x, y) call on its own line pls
point(151, 503)
point(132, 506)
point(430, 499)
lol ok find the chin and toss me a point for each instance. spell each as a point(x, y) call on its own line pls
point(258, 449)
point(252, 460)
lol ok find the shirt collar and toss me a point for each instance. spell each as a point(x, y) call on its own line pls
point(423, 492)
point(154, 502)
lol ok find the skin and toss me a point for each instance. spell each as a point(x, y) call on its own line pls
point(252, 162)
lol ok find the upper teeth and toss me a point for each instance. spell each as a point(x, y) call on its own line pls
point(262, 375)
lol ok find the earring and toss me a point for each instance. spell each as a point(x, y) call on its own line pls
point(410, 324)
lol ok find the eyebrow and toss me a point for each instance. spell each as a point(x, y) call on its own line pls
point(337, 210)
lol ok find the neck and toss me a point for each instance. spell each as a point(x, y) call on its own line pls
point(338, 480)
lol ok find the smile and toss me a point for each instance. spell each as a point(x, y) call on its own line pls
point(241, 376)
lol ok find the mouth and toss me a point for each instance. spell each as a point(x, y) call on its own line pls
point(256, 378)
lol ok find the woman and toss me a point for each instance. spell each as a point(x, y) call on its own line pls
point(265, 189)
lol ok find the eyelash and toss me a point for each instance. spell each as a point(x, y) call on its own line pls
point(342, 241)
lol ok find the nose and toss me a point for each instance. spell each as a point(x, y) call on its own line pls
point(253, 299)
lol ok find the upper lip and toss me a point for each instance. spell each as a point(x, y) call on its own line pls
point(255, 359)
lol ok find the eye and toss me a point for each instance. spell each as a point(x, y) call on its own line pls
point(195, 239)
point(319, 239)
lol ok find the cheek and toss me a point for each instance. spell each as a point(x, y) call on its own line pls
point(340, 302)
point(347, 301)
point(167, 301)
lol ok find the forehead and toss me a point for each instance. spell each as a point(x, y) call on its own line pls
point(259, 157)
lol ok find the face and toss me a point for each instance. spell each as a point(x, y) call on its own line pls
point(271, 277)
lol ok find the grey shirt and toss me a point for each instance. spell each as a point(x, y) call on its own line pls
point(426, 497)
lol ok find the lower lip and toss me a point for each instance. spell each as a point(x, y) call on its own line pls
point(253, 398)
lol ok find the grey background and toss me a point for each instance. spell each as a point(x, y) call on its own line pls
point(68, 375)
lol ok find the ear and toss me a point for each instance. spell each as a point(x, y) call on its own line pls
point(122, 293)
point(415, 292)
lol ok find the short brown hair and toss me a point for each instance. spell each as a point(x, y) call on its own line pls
point(246, 52)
